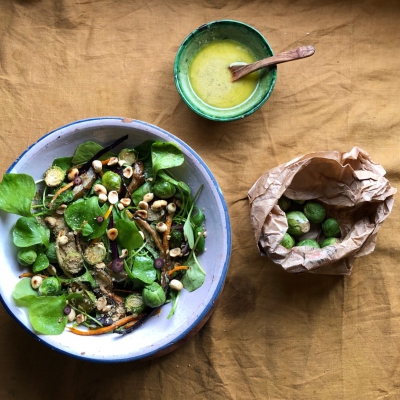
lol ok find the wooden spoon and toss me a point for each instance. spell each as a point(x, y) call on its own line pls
point(238, 71)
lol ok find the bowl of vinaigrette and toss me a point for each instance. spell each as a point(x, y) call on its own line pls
point(202, 76)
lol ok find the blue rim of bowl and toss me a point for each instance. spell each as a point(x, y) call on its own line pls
point(225, 268)
point(176, 70)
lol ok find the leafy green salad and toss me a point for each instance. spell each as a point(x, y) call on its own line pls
point(108, 238)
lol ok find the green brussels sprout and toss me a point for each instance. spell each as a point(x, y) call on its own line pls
point(73, 262)
point(299, 201)
point(153, 295)
point(51, 253)
point(284, 203)
point(54, 176)
point(177, 238)
point(26, 257)
point(287, 241)
point(329, 241)
point(95, 253)
point(163, 189)
point(128, 155)
point(134, 303)
point(50, 286)
point(309, 243)
point(297, 223)
point(111, 181)
point(315, 212)
point(331, 227)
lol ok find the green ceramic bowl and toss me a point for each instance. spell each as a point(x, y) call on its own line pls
point(220, 30)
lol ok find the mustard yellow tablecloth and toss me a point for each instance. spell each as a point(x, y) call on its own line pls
point(273, 335)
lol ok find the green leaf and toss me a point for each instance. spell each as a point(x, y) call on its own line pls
point(16, 194)
point(65, 163)
point(85, 210)
point(144, 149)
point(28, 232)
point(137, 196)
point(165, 155)
point(194, 276)
point(23, 293)
point(46, 315)
point(85, 151)
point(41, 263)
point(128, 235)
point(143, 269)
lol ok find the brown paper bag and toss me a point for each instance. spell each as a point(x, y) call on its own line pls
point(350, 185)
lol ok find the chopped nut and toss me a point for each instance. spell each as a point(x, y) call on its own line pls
point(112, 233)
point(113, 197)
point(148, 197)
point(36, 281)
point(142, 213)
point(176, 285)
point(158, 205)
point(50, 222)
point(51, 269)
point(100, 265)
point(62, 240)
point(120, 206)
point(101, 302)
point(161, 227)
point(176, 252)
point(72, 173)
point(126, 201)
point(128, 172)
point(103, 198)
point(124, 253)
point(98, 188)
point(97, 166)
point(143, 205)
point(113, 161)
point(80, 318)
point(171, 208)
point(122, 162)
point(72, 315)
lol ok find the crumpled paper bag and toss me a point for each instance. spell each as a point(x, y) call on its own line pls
point(353, 189)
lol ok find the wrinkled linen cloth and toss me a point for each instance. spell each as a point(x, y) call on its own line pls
point(272, 335)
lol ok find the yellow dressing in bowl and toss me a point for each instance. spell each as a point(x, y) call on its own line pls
point(211, 79)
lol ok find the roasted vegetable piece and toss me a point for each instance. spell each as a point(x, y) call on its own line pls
point(26, 257)
point(329, 241)
point(163, 189)
point(288, 242)
point(54, 176)
point(134, 303)
point(153, 295)
point(331, 228)
point(128, 155)
point(297, 223)
point(284, 203)
point(315, 212)
point(95, 253)
point(309, 243)
point(111, 181)
point(50, 287)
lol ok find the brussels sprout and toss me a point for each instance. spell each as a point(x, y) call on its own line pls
point(163, 189)
point(177, 238)
point(134, 303)
point(284, 203)
point(72, 262)
point(50, 286)
point(315, 212)
point(309, 243)
point(95, 253)
point(329, 241)
point(287, 241)
point(297, 223)
point(153, 295)
point(111, 181)
point(54, 176)
point(128, 155)
point(26, 257)
point(331, 228)
point(51, 253)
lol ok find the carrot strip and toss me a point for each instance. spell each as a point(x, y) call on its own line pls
point(59, 191)
point(105, 162)
point(167, 233)
point(176, 269)
point(107, 214)
point(105, 329)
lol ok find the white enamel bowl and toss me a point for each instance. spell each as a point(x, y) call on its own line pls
point(158, 335)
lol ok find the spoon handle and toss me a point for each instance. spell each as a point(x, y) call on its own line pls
point(290, 55)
